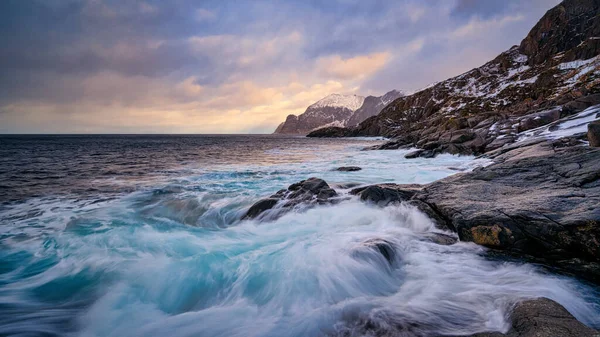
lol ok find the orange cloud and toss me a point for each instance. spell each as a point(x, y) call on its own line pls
point(354, 68)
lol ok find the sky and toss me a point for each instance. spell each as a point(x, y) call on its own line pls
point(183, 66)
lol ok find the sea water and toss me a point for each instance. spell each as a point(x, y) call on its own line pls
point(141, 236)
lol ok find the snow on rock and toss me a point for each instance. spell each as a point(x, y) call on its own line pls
point(565, 127)
point(351, 102)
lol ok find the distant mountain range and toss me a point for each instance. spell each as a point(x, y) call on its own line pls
point(336, 110)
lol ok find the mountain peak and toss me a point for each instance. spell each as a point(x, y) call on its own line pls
point(350, 102)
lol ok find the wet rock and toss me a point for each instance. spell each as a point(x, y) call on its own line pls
point(307, 192)
point(414, 154)
point(384, 247)
point(536, 200)
point(348, 168)
point(384, 194)
point(422, 154)
point(441, 239)
point(260, 206)
point(593, 134)
point(543, 317)
point(437, 220)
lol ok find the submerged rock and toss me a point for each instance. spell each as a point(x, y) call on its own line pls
point(543, 317)
point(309, 191)
point(384, 247)
point(348, 168)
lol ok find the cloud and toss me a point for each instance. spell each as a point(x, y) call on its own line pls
point(203, 14)
point(354, 68)
point(158, 66)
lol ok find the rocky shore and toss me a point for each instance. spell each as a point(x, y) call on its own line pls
point(539, 202)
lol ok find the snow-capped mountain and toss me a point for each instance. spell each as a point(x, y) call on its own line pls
point(350, 102)
point(372, 106)
point(553, 73)
point(336, 110)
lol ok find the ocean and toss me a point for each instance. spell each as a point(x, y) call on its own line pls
point(140, 235)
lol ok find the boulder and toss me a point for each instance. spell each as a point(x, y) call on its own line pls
point(348, 169)
point(307, 192)
point(384, 194)
point(593, 134)
point(543, 317)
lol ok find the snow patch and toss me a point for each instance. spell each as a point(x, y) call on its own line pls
point(565, 127)
point(351, 102)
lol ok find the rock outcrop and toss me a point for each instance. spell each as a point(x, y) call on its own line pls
point(539, 200)
point(330, 132)
point(384, 194)
point(543, 317)
point(302, 194)
point(539, 317)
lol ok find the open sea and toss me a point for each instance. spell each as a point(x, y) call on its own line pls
point(141, 236)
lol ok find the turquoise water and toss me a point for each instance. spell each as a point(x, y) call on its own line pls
point(161, 251)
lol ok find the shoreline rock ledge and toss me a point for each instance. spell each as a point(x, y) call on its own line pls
point(541, 200)
point(542, 317)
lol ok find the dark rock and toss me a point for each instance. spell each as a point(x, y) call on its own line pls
point(414, 154)
point(461, 136)
point(593, 134)
point(422, 154)
point(384, 194)
point(309, 191)
point(437, 220)
point(580, 104)
point(384, 247)
point(536, 199)
point(539, 119)
point(393, 144)
point(348, 168)
point(543, 317)
point(330, 132)
point(260, 206)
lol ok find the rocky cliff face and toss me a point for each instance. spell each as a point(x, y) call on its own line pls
point(553, 73)
point(336, 111)
point(373, 106)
